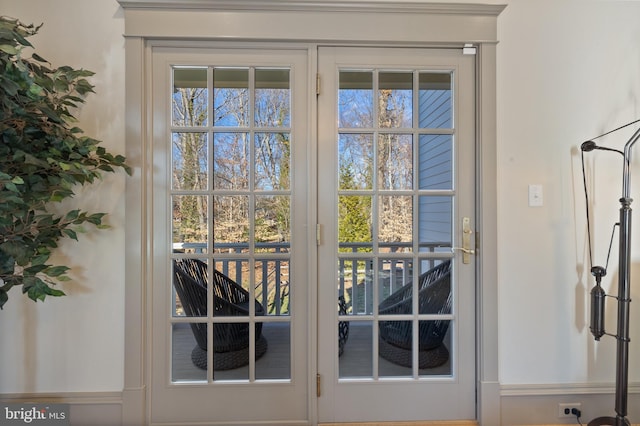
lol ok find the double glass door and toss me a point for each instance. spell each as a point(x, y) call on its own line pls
point(271, 240)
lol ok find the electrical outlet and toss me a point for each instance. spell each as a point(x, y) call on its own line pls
point(564, 409)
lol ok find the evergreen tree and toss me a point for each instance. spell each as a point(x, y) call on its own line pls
point(354, 212)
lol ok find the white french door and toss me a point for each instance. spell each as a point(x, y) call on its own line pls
point(235, 241)
point(396, 155)
point(229, 300)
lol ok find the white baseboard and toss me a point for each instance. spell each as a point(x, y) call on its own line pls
point(533, 404)
point(538, 404)
point(86, 408)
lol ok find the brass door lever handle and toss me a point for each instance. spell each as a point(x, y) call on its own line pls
point(466, 249)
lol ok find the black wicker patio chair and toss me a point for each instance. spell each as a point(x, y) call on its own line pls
point(343, 326)
point(434, 297)
point(230, 340)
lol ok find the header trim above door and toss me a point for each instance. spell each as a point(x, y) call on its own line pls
point(325, 6)
point(314, 21)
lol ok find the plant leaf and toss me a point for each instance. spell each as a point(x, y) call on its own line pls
point(7, 48)
point(38, 58)
point(19, 251)
point(55, 271)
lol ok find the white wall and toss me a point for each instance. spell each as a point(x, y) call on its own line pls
point(76, 343)
point(568, 70)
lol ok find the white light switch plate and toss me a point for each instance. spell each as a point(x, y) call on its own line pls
point(535, 195)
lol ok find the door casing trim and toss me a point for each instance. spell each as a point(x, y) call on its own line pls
point(418, 24)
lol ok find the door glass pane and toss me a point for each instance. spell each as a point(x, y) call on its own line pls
point(189, 161)
point(435, 105)
point(355, 161)
point(272, 223)
point(190, 223)
point(395, 161)
point(435, 283)
point(231, 223)
point(272, 98)
point(231, 290)
point(183, 343)
point(395, 278)
point(395, 99)
point(231, 97)
point(354, 223)
point(434, 217)
point(355, 286)
point(272, 153)
point(189, 287)
point(231, 160)
point(189, 101)
point(355, 99)
point(395, 222)
point(276, 362)
point(356, 360)
point(230, 355)
point(395, 344)
point(435, 164)
point(434, 356)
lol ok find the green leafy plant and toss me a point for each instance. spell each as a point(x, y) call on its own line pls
point(43, 159)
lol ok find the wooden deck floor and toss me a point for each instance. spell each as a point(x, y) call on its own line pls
point(356, 361)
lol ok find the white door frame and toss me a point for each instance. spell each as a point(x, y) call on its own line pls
point(284, 21)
